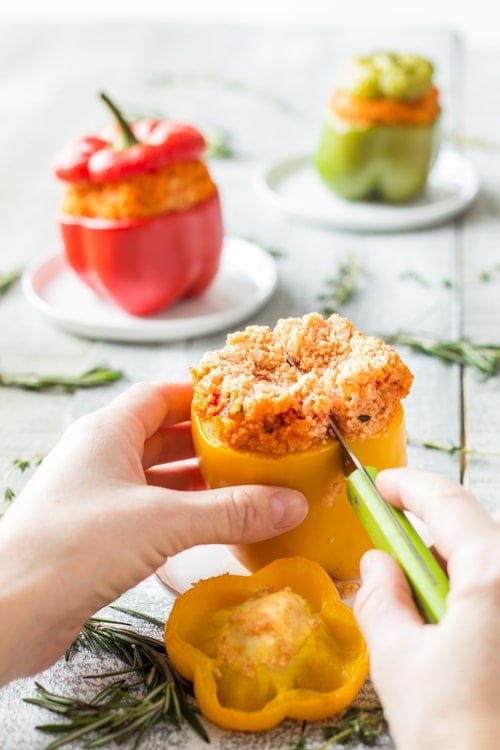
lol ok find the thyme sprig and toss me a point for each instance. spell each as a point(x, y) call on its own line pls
point(484, 358)
point(451, 448)
point(8, 279)
point(342, 285)
point(97, 376)
point(122, 711)
point(219, 144)
point(21, 465)
point(466, 140)
point(361, 724)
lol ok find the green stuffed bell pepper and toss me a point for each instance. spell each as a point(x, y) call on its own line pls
point(380, 135)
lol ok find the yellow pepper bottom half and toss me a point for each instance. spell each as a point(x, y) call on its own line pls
point(331, 534)
point(260, 648)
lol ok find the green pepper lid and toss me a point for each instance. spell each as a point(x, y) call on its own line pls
point(386, 75)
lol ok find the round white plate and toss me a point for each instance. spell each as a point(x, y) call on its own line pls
point(181, 571)
point(246, 279)
point(295, 188)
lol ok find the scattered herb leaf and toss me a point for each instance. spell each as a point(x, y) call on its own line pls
point(122, 711)
point(450, 448)
point(212, 78)
point(219, 144)
point(363, 725)
point(21, 465)
point(97, 376)
point(485, 358)
point(414, 276)
point(9, 279)
point(356, 724)
point(342, 286)
point(473, 141)
point(301, 743)
point(274, 252)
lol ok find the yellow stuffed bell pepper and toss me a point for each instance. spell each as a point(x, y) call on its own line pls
point(331, 533)
point(277, 644)
point(261, 414)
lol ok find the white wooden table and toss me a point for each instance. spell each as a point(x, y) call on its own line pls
point(267, 88)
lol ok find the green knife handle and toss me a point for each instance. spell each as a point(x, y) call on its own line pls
point(390, 530)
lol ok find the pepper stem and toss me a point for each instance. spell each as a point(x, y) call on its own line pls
point(126, 138)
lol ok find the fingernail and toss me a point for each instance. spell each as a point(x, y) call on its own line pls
point(288, 508)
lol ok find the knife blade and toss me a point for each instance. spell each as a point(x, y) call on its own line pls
point(391, 531)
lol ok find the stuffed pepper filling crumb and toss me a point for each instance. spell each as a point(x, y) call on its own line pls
point(275, 390)
point(174, 187)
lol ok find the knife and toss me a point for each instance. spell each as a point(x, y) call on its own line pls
point(390, 530)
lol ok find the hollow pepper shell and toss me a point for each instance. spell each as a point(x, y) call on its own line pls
point(192, 628)
point(331, 533)
point(145, 265)
point(386, 162)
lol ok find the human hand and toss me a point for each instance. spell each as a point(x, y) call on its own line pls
point(105, 509)
point(438, 684)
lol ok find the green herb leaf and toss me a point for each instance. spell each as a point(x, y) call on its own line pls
point(450, 448)
point(414, 276)
point(219, 144)
point(359, 724)
point(485, 358)
point(356, 724)
point(92, 378)
point(21, 465)
point(342, 286)
point(9, 279)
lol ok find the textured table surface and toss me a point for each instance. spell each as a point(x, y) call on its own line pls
point(267, 88)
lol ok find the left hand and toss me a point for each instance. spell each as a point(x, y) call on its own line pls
point(107, 506)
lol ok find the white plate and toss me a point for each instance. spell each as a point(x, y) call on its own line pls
point(246, 279)
point(186, 568)
point(295, 188)
point(181, 571)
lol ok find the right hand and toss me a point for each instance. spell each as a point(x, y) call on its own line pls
point(439, 684)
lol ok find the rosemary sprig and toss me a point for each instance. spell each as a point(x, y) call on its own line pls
point(21, 465)
point(485, 358)
point(96, 376)
point(8, 279)
point(117, 713)
point(342, 286)
point(361, 724)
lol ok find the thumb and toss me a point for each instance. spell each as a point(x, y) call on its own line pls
point(232, 515)
point(385, 610)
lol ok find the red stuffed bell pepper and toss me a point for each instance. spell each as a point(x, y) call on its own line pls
point(141, 219)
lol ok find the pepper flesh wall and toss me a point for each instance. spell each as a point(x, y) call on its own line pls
point(261, 648)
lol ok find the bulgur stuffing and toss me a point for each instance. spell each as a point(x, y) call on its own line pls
point(175, 187)
point(269, 628)
point(274, 390)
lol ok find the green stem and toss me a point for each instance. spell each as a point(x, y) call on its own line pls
point(126, 138)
